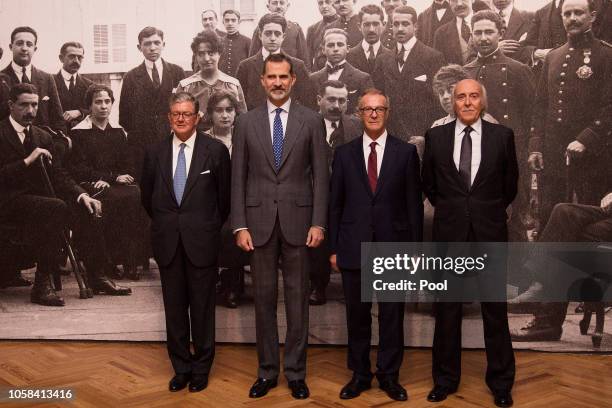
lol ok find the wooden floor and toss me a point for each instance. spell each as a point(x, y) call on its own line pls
point(118, 375)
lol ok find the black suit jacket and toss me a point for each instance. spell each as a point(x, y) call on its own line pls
point(414, 107)
point(249, 73)
point(427, 24)
point(482, 208)
point(17, 179)
point(4, 95)
point(205, 205)
point(142, 108)
point(50, 112)
point(74, 100)
point(294, 43)
point(393, 213)
point(356, 82)
point(446, 40)
point(349, 128)
point(358, 59)
point(546, 31)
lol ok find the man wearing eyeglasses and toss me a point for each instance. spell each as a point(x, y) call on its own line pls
point(375, 197)
point(185, 189)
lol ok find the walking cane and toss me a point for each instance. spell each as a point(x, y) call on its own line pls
point(79, 274)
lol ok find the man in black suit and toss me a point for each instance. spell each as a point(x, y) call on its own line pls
point(70, 85)
point(387, 36)
point(363, 56)
point(272, 28)
point(470, 176)
point(26, 203)
point(375, 197)
point(516, 26)
point(20, 70)
point(432, 18)
point(293, 41)
point(280, 183)
point(143, 106)
point(314, 33)
point(348, 20)
point(4, 91)
point(186, 191)
point(545, 33)
point(340, 128)
point(337, 68)
point(406, 77)
point(453, 38)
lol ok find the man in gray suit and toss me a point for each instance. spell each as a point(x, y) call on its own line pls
point(280, 185)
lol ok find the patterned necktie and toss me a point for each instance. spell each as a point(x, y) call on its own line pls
point(71, 86)
point(466, 33)
point(371, 56)
point(155, 75)
point(401, 56)
point(28, 145)
point(334, 69)
point(465, 158)
point(335, 135)
point(277, 139)
point(373, 167)
point(24, 76)
point(180, 174)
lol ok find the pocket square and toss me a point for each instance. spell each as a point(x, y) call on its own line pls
point(205, 172)
point(45, 98)
point(421, 78)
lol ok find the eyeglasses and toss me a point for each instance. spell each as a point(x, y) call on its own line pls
point(369, 111)
point(185, 115)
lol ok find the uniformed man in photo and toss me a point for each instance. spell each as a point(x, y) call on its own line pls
point(235, 45)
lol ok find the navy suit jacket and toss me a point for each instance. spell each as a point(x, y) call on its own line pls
point(393, 213)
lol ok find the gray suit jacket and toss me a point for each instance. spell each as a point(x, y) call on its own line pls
point(297, 193)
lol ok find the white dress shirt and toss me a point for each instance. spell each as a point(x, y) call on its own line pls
point(366, 48)
point(440, 13)
point(284, 115)
point(160, 68)
point(66, 75)
point(336, 75)
point(176, 146)
point(408, 45)
point(19, 71)
point(329, 128)
point(265, 53)
point(380, 150)
point(476, 135)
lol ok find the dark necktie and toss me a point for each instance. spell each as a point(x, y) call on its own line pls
point(465, 31)
point(28, 145)
point(331, 70)
point(371, 56)
point(465, 158)
point(155, 75)
point(71, 86)
point(373, 167)
point(24, 76)
point(277, 139)
point(401, 55)
point(335, 135)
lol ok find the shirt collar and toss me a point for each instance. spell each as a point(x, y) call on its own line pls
point(488, 55)
point(285, 106)
point(66, 75)
point(408, 44)
point(328, 123)
point(149, 64)
point(340, 63)
point(382, 139)
point(476, 126)
point(366, 46)
point(189, 142)
point(16, 125)
point(19, 69)
point(265, 52)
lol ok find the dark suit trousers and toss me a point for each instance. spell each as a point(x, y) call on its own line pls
point(359, 324)
point(320, 269)
point(189, 303)
point(572, 223)
point(264, 269)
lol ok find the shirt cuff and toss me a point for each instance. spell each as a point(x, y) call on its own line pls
point(239, 229)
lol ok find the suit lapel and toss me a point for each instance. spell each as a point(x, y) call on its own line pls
point(145, 80)
point(485, 153)
point(166, 80)
point(449, 147)
point(165, 165)
point(387, 163)
point(361, 165)
point(198, 160)
point(13, 138)
point(514, 24)
point(9, 71)
point(294, 126)
point(262, 130)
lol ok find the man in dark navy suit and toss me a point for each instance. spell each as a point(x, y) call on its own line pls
point(186, 191)
point(375, 196)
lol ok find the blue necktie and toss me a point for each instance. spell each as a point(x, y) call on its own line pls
point(277, 139)
point(180, 174)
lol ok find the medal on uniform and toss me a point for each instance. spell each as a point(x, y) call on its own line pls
point(585, 71)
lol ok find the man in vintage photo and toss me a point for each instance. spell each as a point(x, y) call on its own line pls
point(70, 85)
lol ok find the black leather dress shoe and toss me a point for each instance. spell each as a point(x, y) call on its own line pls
point(354, 388)
point(299, 389)
point(439, 393)
point(503, 400)
point(46, 296)
point(317, 297)
point(394, 390)
point(113, 272)
point(108, 287)
point(261, 387)
point(537, 331)
point(198, 383)
point(178, 382)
